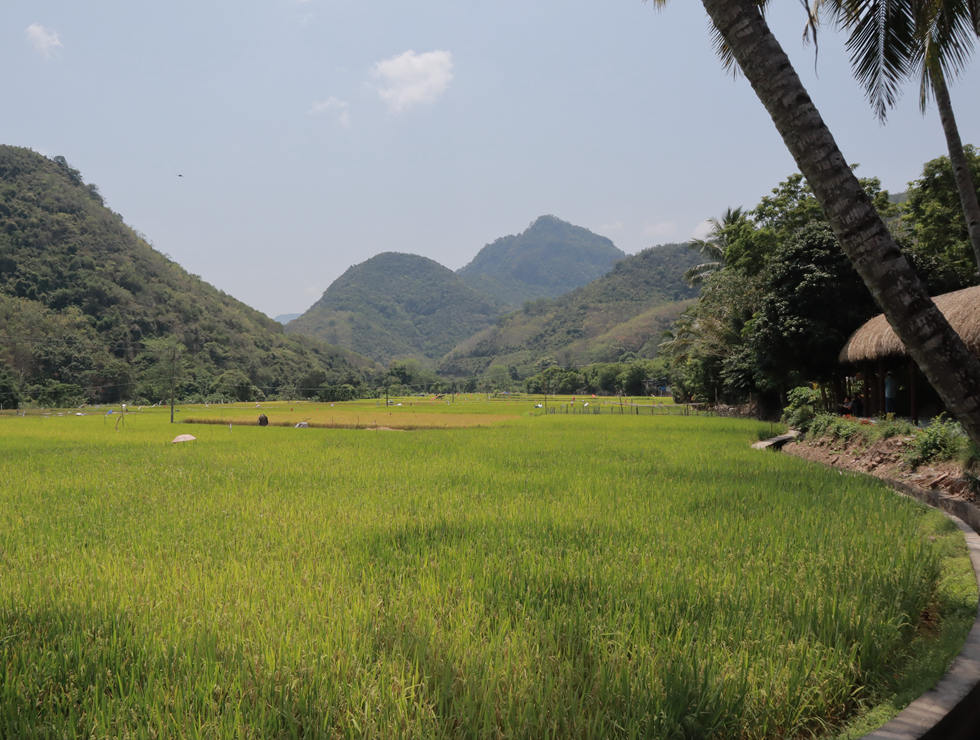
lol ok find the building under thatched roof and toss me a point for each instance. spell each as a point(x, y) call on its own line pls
point(876, 340)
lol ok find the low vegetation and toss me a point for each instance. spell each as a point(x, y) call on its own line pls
point(578, 576)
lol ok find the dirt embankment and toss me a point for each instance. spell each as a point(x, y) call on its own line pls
point(884, 459)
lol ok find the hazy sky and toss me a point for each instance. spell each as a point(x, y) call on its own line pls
point(314, 134)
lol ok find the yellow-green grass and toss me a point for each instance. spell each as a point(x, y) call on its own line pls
point(409, 412)
point(548, 576)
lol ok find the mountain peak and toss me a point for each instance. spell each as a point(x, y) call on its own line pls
point(547, 259)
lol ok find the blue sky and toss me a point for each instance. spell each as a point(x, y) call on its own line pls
point(314, 134)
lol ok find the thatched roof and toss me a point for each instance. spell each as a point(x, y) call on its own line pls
point(876, 340)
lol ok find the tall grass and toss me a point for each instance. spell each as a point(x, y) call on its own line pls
point(555, 576)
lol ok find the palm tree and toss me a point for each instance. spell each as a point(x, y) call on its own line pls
point(938, 350)
point(890, 40)
point(713, 248)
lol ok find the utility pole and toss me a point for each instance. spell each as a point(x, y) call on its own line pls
point(173, 381)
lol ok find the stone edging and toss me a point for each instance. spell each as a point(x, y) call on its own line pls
point(950, 708)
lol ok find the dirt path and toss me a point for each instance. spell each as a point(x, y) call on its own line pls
point(883, 459)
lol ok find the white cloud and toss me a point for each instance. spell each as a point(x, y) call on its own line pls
point(614, 226)
point(702, 230)
point(410, 79)
point(339, 108)
point(44, 40)
point(660, 230)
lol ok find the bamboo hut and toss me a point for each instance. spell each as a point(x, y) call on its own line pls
point(875, 348)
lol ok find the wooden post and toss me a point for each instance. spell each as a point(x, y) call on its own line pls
point(173, 382)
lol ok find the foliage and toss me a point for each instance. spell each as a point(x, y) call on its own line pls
point(83, 298)
point(804, 405)
point(636, 378)
point(943, 439)
point(846, 429)
point(397, 306)
point(785, 299)
point(811, 302)
point(9, 388)
point(940, 246)
point(615, 318)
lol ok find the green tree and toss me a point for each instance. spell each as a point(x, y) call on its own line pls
point(940, 353)
point(9, 388)
point(940, 245)
point(236, 386)
point(812, 300)
point(715, 246)
point(164, 369)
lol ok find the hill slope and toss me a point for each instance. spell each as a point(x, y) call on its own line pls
point(88, 310)
point(549, 258)
point(622, 313)
point(397, 305)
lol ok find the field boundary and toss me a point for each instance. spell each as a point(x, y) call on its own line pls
point(950, 709)
point(394, 426)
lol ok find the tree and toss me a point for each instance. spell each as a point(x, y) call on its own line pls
point(939, 352)
point(890, 40)
point(940, 242)
point(9, 391)
point(812, 300)
point(713, 248)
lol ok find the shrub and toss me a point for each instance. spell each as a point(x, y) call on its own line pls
point(891, 427)
point(802, 408)
point(836, 427)
point(943, 439)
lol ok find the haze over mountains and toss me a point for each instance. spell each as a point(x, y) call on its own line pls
point(399, 305)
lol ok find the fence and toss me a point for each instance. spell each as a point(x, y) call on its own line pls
point(627, 409)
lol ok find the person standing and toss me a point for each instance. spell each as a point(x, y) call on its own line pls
point(889, 393)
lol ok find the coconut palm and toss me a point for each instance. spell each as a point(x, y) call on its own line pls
point(938, 350)
point(891, 40)
point(713, 247)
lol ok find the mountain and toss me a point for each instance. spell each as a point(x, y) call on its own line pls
point(395, 306)
point(549, 258)
point(622, 314)
point(285, 318)
point(90, 312)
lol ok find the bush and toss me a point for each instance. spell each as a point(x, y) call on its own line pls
point(891, 427)
point(802, 408)
point(943, 439)
point(836, 427)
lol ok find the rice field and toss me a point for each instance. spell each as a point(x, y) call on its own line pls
point(534, 576)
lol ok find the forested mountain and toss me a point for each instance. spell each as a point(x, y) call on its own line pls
point(622, 314)
point(397, 306)
point(90, 312)
point(550, 258)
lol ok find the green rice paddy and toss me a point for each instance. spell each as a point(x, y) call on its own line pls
point(534, 576)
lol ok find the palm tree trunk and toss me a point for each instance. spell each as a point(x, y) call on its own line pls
point(938, 350)
point(961, 169)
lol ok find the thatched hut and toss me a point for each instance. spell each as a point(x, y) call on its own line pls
point(875, 348)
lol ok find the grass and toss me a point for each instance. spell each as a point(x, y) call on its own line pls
point(542, 576)
point(415, 412)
